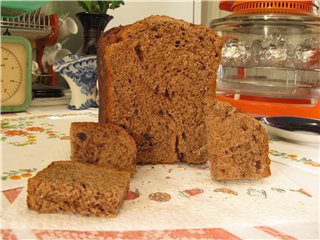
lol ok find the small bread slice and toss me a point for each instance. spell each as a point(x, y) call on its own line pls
point(237, 143)
point(105, 145)
point(74, 187)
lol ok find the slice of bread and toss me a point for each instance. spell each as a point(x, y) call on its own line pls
point(74, 187)
point(237, 143)
point(105, 145)
point(153, 77)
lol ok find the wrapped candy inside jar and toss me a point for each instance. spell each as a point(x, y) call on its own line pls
point(235, 53)
point(307, 54)
point(271, 51)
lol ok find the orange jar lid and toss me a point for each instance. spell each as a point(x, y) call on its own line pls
point(274, 6)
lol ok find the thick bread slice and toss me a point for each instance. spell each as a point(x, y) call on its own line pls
point(153, 77)
point(74, 187)
point(237, 143)
point(105, 145)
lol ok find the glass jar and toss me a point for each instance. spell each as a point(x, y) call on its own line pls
point(271, 54)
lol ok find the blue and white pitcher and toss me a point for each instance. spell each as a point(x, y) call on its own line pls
point(80, 72)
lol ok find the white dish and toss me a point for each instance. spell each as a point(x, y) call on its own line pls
point(296, 136)
point(295, 129)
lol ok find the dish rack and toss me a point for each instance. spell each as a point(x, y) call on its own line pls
point(41, 30)
point(33, 25)
point(270, 62)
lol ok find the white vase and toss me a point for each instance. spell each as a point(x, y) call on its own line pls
point(80, 72)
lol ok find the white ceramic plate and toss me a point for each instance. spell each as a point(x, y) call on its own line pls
point(292, 129)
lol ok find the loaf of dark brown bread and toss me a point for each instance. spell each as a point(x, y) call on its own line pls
point(103, 144)
point(153, 78)
point(74, 187)
point(237, 143)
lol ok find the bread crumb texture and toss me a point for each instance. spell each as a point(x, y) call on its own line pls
point(153, 76)
point(105, 145)
point(237, 143)
point(74, 187)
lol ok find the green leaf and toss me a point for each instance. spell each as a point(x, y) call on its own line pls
point(116, 4)
point(99, 6)
point(84, 5)
point(4, 178)
point(104, 6)
point(9, 126)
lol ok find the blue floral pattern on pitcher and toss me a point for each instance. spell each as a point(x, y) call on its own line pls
point(89, 103)
point(81, 74)
point(85, 77)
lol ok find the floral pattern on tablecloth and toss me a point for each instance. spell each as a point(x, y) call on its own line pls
point(17, 174)
point(24, 131)
point(62, 115)
point(30, 139)
point(294, 157)
point(303, 156)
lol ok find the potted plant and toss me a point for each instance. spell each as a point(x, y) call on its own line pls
point(94, 19)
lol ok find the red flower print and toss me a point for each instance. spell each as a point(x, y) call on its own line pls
point(15, 133)
point(14, 177)
point(133, 195)
point(35, 129)
point(26, 175)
